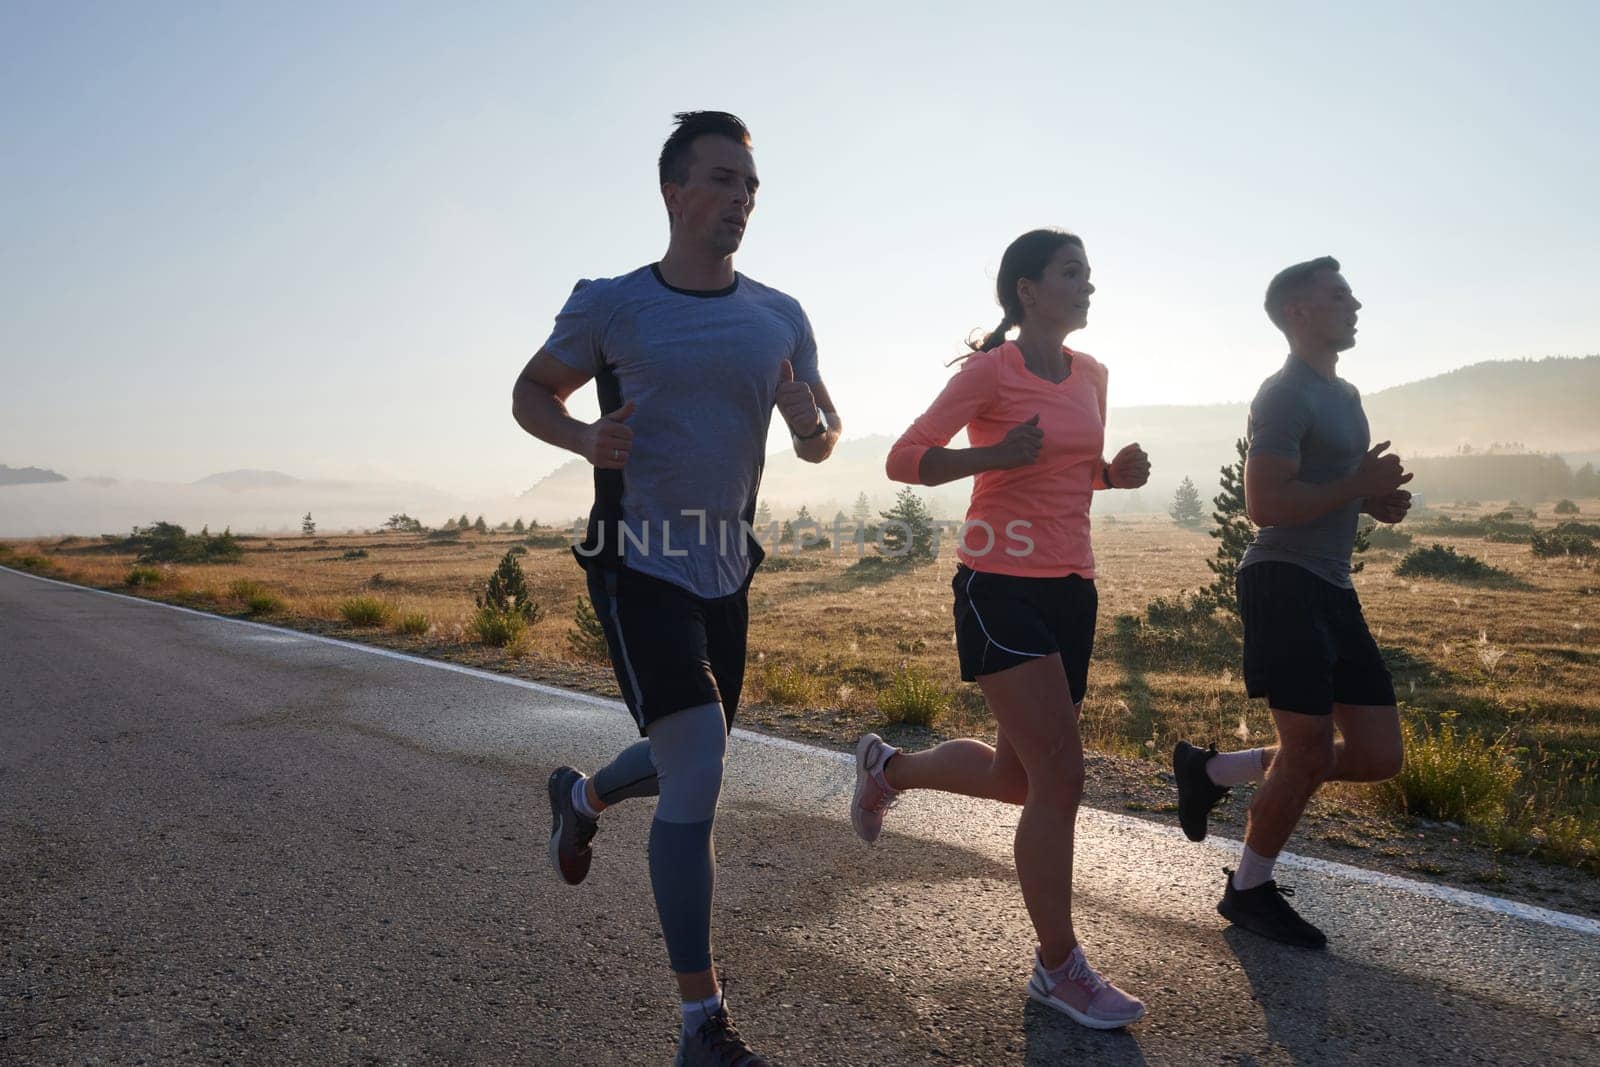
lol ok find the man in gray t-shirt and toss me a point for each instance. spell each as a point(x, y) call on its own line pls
point(690, 360)
point(1309, 476)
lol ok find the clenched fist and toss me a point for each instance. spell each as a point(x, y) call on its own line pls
point(1131, 467)
point(1019, 448)
point(795, 403)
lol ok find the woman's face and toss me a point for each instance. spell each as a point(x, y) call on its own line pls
point(1060, 296)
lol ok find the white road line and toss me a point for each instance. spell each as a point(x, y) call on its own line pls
point(1450, 894)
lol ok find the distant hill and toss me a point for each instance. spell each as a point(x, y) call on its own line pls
point(1545, 405)
point(28, 475)
point(248, 479)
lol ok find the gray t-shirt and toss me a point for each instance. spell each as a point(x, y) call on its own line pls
point(1301, 415)
point(702, 369)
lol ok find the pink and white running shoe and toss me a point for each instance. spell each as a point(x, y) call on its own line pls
point(873, 797)
point(1077, 990)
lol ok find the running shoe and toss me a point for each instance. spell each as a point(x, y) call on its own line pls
point(717, 1044)
point(570, 830)
point(1197, 793)
point(1265, 910)
point(1084, 995)
point(872, 797)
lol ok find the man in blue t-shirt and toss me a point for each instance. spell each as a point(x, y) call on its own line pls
point(689, 358)
point(1309, 476)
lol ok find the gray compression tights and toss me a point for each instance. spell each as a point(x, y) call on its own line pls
point(681, 760)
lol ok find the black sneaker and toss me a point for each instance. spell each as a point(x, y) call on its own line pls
point(1263, 910)
point(570, 831)
point(1197, 793)
point(717, 1044)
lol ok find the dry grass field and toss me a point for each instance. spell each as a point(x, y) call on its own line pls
point(1500, 677)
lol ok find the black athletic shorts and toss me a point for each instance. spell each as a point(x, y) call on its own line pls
point(1003, 620)
point(1306, 643)
point(671, 649)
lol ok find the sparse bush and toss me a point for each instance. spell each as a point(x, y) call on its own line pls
point(777, 564)
point(789, 684)
point(5, 551)
point(143, 576)
point(499, 628)
point(1442, 561)
point(587, 638)
point(414, 623)
point(34, 564)
point(355, 553)
point(403, 523)
point(166, 542)
point(366, 611)
point(1179, 611)
point(913, 697)
point(448, 534)
point(1565, 507)
point(547, 538)
point(1452, 777)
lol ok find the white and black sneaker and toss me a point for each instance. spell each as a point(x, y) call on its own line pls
point(570, 830)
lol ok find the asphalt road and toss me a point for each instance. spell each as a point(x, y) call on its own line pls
point(221, 841)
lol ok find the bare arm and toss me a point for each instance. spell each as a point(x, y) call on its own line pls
point(538, 403)
point(1275, 496)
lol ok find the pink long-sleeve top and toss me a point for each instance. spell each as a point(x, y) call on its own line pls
point(1039, 514)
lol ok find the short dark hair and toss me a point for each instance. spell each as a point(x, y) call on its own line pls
point(678, 152)
point(1290, 283)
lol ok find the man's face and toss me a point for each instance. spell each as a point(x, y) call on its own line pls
point(713, 205)
point(1325, 316)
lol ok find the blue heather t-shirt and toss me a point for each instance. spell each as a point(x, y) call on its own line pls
point(1301, 415)
point(702, 369)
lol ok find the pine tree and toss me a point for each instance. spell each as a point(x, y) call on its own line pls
point(862, 513)
point(308, 526)
point(907, 534)
point(517, 527)
point(1185, 509)
point(480, 526)
point(463, 523)
point(1234, 533)
point(587, 638)
point(507, 592)
point(763, 513)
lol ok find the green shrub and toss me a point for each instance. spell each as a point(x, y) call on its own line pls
point(788, 684)
point(414, 623)
point(355, 553)
point(499, 628)
point(1182, 610)
point(1556, 544)
point(1565, 507)
point(262, 604)
point(366, 611)
point(446, 535)
point(1451, 777)
point(587, 638)
point(34, 564)
point(546, 538)
point(1386, 536)
point(914, 698)
point(1441, 561)
point(167, 542)
point(139, 576)
point(5, 551)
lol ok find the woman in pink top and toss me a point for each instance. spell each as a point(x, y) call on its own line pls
point(1034, 412)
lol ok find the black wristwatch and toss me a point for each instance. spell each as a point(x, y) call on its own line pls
point(1105, 475)
point(821, 428)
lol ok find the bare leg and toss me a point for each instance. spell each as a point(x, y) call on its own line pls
point(1033, 705)
point(968, 767)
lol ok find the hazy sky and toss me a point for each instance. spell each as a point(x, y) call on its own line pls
point(324, 238)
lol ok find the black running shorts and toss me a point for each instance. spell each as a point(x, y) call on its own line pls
point(670, 649)
point(1306, 643)
point(1003, 620)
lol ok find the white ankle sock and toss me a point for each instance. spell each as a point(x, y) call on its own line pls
point(696, 1012)
point(1254, 869)
point(580, 799)
point(1235, 768)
